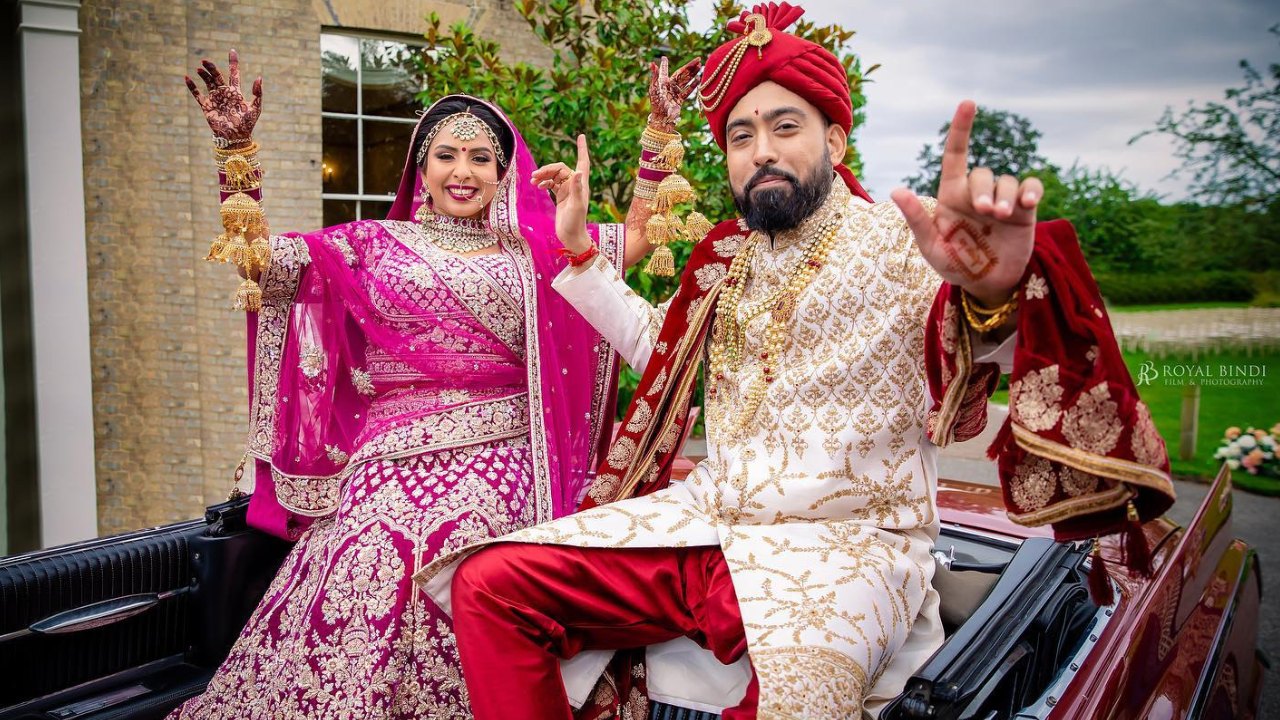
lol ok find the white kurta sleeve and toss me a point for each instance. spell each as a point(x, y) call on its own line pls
point(629, 322)
point(1001, 353)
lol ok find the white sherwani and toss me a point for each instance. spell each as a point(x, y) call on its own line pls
point(825, 506)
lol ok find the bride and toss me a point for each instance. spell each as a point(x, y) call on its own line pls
point(416, 385)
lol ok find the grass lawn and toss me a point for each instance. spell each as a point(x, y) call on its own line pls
point(1221, 406)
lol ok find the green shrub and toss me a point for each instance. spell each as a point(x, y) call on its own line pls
point(1168, 288)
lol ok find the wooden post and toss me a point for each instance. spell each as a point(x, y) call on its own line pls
point(1190, 421)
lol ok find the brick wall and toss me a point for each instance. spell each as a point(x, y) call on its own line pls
point(168, 352)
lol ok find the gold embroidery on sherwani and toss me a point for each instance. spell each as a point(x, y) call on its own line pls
point(624, 448)
point(1146, 444)
point(827, 594)
point(604, 487)
point(1077, 482)
point(710, 274)
point(1036, 288)
point(1035, 399)
point(1092, 424)
point(659, 383)
point(641, 416)
point(1033, 484)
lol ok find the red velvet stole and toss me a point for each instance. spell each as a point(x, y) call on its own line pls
point(640, 459)
point(1079, 445)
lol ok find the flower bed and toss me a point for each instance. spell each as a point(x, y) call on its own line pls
point(1254, 452)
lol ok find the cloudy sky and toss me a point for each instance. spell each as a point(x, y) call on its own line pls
point(1089, 74)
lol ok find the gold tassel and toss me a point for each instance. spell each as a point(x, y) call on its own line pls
point(672, 191)
point(237, 251)
point(249, 296)
point(260, 252)
point(662, 263)
point(675, 229)
point(218, 250)
point(658, 229)
point(240, 210)
point(672, 154)
point(696, 226)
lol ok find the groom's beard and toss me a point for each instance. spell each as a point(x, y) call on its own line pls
point(784, 207)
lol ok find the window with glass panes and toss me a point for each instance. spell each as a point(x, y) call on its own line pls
point(369, 111)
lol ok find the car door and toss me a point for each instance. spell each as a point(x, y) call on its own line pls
point(128, 626)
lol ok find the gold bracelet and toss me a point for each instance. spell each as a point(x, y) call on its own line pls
point(646, 189)
point(657, 137)
point(226, 143)
point(250, 149)
point(659, 166)
point(983, 319)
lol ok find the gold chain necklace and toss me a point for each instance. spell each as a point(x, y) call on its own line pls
point(728, 338)
point(457, 235)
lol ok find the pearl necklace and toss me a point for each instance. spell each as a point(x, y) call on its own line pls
point(457, 235)
point(728, 338)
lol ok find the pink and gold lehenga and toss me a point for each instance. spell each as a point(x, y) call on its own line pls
point(405, 402)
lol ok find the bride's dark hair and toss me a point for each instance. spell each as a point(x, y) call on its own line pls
point(452, 106)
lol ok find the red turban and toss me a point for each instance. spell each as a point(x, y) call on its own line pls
point(763, 51)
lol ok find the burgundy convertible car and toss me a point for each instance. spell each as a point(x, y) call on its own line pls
point(127, 627)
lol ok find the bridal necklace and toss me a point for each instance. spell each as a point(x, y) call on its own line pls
point(457, 235)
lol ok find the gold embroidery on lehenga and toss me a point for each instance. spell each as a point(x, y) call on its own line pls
point(341, 632)
point(421, 275)
point(336, 454)
point(338, 239)
point(279, 286)
point(362, 382)
point(475, 422)
point(311, 361)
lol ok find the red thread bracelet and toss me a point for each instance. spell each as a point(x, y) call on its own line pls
point(582, 258)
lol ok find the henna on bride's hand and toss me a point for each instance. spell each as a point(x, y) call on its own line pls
point(229, 115)
point(968, 250)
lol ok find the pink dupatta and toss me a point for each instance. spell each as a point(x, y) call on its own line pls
point(324, 306)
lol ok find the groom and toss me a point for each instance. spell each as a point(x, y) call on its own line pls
point(846, 342)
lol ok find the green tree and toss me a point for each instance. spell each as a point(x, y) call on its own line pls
point(1231, 148)
point(1001, 140)
point(596, 82)
point(1121, 228)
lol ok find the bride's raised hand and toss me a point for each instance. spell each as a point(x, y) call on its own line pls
point(572, 190)
point(230, 116)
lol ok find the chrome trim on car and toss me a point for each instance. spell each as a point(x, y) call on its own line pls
point(1012, 543)
point(1045, 704)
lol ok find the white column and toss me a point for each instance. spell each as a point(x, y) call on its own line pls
point(50, 38)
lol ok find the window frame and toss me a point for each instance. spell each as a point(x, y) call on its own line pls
point(360, 196)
